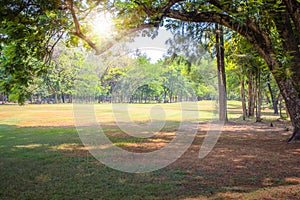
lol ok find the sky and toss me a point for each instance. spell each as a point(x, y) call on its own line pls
point(154, 48)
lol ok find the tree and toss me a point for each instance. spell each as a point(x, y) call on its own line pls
point(194, 41)
point(204, 78)
point(63, 71)
point(29, 31)
point(274, 93)
point(221, 73)
point(237, 80)
point(246, 64)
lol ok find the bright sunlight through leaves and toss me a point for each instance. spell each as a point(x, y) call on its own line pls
point(102, 24)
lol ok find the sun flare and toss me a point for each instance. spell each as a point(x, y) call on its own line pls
point(102, 24)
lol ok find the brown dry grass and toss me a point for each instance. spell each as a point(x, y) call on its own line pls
point(248, 157)
point(250, 161)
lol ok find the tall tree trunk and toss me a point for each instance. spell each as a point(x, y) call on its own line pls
point(280, 106)
point(39, 100)
point(63, 97)
point(251, 96)
point(55, 97)
point(288, 25)
point(259, 97)
point(292, 100)
point(276, 106)
point(268, 100)
point(221, 73)
point(165, 95)
point(2, 98)
point(287, 112)
point(274, 101)
point(71, 98)
point(243, 97)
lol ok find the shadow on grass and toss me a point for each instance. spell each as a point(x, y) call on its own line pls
point(50, 163)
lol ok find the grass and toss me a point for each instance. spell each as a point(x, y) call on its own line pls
point(42, 157)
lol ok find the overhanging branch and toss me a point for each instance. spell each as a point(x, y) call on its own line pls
point(101, 48)
point(250, 30)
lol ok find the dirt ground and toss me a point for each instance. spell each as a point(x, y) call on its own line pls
point(248, 157)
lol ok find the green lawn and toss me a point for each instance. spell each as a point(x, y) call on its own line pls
point(41, 157)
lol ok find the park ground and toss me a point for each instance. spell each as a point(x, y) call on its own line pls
point(42, 157)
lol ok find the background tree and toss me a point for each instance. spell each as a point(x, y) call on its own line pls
point(29, 31)
point(194, 41)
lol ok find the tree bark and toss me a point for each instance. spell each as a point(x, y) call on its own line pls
point(287, 112)
point(243, 97)
point(259, 96)
point(280, 107)
point(274, 101)
point(292, 100)
point(289, 85)
point(55, 97)
point(275, 105)
point(221, 73)
point(71, 98)
point(251, 95)
point(63, 97)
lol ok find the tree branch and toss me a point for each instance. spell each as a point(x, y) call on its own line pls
point(293, 8)
point(170, 4)
point(78, 32)
point(106, 46)
point(251, 31)
point(100, 49)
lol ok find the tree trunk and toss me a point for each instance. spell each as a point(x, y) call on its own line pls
point(259, 97)
point(274, 102)
point(221, 73)
point(287, 112)
point(292, 100)
point(289, 85)
point(243, 97)
point(275, 105)
point(39, 100)
point(251, 96)
point(55, 98)
point(63, 97)
point(71, 98)
point(280, 106)
point(288, 25)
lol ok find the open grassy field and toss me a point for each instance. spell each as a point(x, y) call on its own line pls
point(42, 157)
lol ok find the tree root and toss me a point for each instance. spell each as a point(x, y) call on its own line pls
point(296, 135)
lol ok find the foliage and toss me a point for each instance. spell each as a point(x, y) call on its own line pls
point(29, 31)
